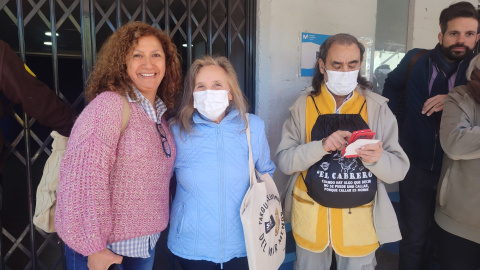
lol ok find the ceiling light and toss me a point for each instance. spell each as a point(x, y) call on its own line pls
point(48, 43)
point(50, 34)
point(185, 45)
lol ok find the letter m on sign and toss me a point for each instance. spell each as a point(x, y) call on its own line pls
point(305, 36)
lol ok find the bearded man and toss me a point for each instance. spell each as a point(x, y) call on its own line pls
point(424, 79)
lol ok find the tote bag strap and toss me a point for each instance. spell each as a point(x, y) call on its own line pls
point(253, 178)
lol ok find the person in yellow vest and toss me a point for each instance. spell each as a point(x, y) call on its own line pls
point(339, 204)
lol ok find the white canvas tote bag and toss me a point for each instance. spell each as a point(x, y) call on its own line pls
point(262, 220)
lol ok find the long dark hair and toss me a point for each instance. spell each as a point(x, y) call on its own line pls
point(342, 39)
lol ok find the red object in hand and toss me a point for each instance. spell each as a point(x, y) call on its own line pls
point(356, 135)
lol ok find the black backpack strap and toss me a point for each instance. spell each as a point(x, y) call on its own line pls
point(399, 111)
point(363, 105)
point(318, 111)
point(412, 63)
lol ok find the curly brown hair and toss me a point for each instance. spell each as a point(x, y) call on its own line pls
point(110, 71)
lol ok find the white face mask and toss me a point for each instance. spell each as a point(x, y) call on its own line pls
point(341, 83)
point(211, 103)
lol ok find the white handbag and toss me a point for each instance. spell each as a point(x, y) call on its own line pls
point(262, 219)
point(47, 188)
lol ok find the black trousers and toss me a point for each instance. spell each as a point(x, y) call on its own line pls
point(417, 206)
point(233, 264)
point(456, 252)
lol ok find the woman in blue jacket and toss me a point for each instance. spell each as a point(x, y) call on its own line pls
point(212, 168)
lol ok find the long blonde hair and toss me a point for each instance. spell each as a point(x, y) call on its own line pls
point(185, 113)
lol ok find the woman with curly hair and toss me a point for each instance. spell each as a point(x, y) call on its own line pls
point(113, 190)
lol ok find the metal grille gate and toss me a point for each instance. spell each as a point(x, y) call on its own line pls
point(76, 29)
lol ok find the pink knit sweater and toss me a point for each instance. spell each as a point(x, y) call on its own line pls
point(112, 187)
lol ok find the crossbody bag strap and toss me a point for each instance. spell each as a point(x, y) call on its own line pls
point(412, 63)
point(125, 114)
point(253, 178)
point(314, 103)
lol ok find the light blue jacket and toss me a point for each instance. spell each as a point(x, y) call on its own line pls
point(212, 179)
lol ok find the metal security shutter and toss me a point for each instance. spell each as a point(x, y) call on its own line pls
point(77, 29)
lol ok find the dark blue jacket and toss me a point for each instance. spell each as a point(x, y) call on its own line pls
point(419, 133)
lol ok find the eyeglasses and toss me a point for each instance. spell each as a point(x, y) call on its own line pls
point(165, 144)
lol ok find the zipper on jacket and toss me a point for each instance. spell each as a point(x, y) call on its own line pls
point(374, 217)
point(436, 131)
point(222, 205)
point(329, 227)
point(434, 149)
point(429, 78)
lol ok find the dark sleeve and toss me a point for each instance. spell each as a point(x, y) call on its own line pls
point(394, 83)
point(36, 99)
